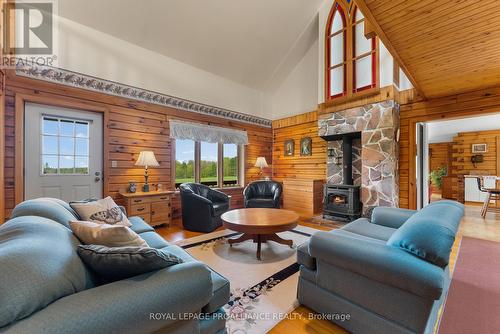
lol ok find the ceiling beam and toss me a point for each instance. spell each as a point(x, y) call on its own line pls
point(383, 37)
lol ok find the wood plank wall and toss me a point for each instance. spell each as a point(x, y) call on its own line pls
point(482, 102)
point(440, 156)
point(132, 126)
point(461, 158)
point(308, 167)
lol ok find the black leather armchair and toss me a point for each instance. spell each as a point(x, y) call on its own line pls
point(202, 207)
point(263, 194)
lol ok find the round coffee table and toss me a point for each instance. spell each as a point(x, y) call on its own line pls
point(260, 225)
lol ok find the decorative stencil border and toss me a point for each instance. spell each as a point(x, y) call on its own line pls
point(78, 80)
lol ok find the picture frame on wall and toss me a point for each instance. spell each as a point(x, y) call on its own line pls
point(480, 148)
point(289, 147)
point(306, 147)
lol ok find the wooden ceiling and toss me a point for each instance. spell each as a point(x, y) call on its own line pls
point(446, 47)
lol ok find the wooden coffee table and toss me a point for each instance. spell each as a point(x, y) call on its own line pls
point(260, 225)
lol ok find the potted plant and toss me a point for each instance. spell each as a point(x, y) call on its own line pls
point(436, 178)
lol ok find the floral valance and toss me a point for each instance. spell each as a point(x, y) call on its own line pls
point(207, 133)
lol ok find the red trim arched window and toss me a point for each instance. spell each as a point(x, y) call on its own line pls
point(350, 57)
point(364, 60)
point(336, 69)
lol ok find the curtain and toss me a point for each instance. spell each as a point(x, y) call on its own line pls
point(207, 133)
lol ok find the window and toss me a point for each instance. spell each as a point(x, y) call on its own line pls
point(208, 164)
point(184, 161)
point(230, 165)
point(212, 164)
point(336, 62)
point(65, 146)
point(350, 56)
point(363, 55)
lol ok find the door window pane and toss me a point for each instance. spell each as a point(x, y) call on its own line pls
point(66, 164)
point(50, 126)
point(184, 161)
point(81, 146)
point(230, 165)
point(208, 163)
point(63, 141)
point(49, 164)
point(81, 165)
point(66, 146)
point(66, 128)
point(49, 145)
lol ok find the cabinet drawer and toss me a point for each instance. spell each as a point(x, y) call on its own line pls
point(146, 217)
point(139, 209)
point(159, 198)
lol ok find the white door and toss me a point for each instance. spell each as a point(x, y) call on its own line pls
point(63, 153)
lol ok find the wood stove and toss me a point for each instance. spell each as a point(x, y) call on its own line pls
point(343, 201)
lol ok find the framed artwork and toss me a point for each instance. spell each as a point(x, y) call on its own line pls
point(306, 146)
point(479, 148)
point(289, 147)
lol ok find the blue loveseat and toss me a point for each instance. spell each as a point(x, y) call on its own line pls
point(387, 275)
point(46, 288)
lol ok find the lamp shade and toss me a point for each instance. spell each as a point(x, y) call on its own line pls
point(261, 162)
point(147, 159)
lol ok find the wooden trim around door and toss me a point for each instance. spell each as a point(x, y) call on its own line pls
point(21, 99)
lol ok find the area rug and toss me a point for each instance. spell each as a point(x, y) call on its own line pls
point(473, 301)
point(262, 292)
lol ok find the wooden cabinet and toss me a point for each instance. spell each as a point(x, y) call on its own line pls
point(303, 196)
point(154, 207)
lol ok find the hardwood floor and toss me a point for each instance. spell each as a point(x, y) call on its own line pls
point(301, 321)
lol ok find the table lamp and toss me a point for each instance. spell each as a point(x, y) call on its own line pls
point(146, 159)
point(261, 163)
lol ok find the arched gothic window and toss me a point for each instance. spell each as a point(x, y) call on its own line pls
point(351, 63)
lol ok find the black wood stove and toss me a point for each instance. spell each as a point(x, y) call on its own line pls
point(343, 201)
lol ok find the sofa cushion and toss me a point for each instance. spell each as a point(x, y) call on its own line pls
point(364, 227)
point(153, 239)
point(49, 208)
point(117, 263)
point(91, 233)
point(430, 233)
point(39, 265)
point(139, 225)
point(220, 285)
point(103, 211)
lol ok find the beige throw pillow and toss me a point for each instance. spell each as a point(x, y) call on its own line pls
point(103, 211)
point(91, 233)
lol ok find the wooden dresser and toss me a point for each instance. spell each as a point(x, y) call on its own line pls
point(155, 207)
point(303, 196)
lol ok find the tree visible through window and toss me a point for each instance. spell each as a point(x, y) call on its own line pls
point(212, 164)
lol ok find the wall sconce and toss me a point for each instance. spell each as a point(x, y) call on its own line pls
point(337, 160)
point(331, 152)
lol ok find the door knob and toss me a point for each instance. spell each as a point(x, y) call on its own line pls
point(97, 179)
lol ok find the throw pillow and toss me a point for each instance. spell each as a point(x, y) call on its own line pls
point(103, 211)
point(105, 234)
point(118, 263)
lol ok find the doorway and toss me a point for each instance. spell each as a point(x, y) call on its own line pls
point(449, 159)
point(63, 153)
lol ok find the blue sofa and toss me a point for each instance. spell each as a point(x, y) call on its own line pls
point(387, 275)
point(46, 288)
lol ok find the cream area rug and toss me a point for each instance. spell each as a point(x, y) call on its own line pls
point(262, 292)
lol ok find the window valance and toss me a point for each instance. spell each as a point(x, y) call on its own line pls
point(207, 133)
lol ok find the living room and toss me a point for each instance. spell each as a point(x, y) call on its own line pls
point(258, 167)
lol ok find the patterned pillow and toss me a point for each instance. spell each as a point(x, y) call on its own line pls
point(106, 234)
point(103, 211)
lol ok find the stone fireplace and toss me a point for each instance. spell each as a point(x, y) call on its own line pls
point(375, 155)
